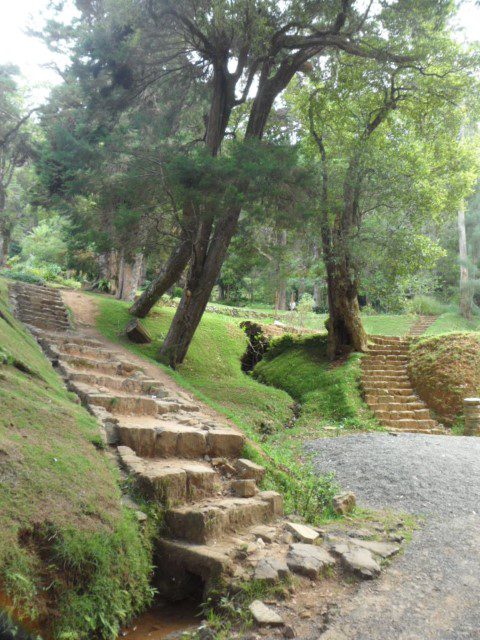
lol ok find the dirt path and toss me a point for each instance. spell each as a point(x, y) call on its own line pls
point(85, 311)
point(433, 591)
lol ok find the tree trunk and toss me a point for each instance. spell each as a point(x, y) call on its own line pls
point(465, 294)
point(167, 277)
point(129, 277)
point(204, 270)
point(344, 324)
point(281, 295)
point(4, 246)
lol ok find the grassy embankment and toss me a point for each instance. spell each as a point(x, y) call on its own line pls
point(72, 559)
point(329, 396)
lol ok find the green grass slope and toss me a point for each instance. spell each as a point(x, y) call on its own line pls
point(72, 559)
point(328, 394)
point(452, 322)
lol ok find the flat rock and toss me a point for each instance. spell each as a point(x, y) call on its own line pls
point(361, 562)
point(302, 532)
point(271, 570)
point(267, 534)
point(308, 560)
point(383, 549)
point(265, 616)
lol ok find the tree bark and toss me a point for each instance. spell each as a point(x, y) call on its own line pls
point(465, 294)
point(129, 276)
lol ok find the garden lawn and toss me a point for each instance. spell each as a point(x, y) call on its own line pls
point(72, 559)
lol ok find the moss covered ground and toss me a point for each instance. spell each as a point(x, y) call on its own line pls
point(72, 559)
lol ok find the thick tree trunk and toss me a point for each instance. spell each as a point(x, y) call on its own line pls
point(465, 294)
point(167, 277)
point(344, 324)
point(129, 277)
point(203, 274)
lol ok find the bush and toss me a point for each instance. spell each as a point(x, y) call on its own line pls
point(22, 276)
point(427, 306)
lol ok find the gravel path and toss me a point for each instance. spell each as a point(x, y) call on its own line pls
point(432, 592)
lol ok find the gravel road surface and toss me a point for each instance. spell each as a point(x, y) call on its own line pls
point(432, 592)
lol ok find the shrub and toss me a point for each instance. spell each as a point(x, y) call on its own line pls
point(22, 276)
point(427, 306)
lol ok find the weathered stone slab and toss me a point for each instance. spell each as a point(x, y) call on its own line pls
point(271, 569)
point(383, 549)
point(308, 560)
point(302, 533)
point(265, 616)
point(248, 469)
point(244, 488)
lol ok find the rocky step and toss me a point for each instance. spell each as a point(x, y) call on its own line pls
point(117, 383)
point(170, 481)
point(384, 384)
point(114, 367)
point(411, 423)
point(33, 318)
point(47, 325)
point(94, 353)
point(399, 406)
point(123, 404)
point(435, 431)
point(37, 295)
point(209, 521)
point(388, 340)
point(373, 375)
point(170, 439)
point(378, 398)
point(418, 414)
point(38, 305)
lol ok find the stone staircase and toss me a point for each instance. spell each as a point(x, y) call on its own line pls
point(39, 306)
point(421, 325)
point(172, 453)
point(388, 390)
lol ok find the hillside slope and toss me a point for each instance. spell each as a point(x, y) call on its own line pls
point(444, 370)
point(72, 559)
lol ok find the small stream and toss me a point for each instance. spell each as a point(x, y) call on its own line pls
point(164, 619)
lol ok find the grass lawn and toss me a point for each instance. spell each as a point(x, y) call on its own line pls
point(452, 322)
point(71, 556)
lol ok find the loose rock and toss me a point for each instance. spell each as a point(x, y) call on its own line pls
point(264, 616)
point(271, 570)
point(302, 532)
point(344, 503)
point(244, 488)
point(249, 470)
point(308, 560)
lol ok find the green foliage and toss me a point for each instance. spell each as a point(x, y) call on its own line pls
point(72, 558)
point(427, 306)
point(45, 245)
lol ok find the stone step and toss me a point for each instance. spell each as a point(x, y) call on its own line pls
point(39, 293)
point(382, 398)
point(399, 406)
point(170, 481)
point(94, 353)
point(384, 384)
point(114, 367)
point(38, 305)
point(170, 439)
point(409, 423)
point(59, 340)
point(371, 378)
point(207, 521)
point(182, 562)
point(388, 340)
point(48, 325)
point(118, 383)
point(420, 414)
point(119, 404)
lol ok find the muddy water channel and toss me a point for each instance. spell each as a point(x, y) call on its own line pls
point(163, 620)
